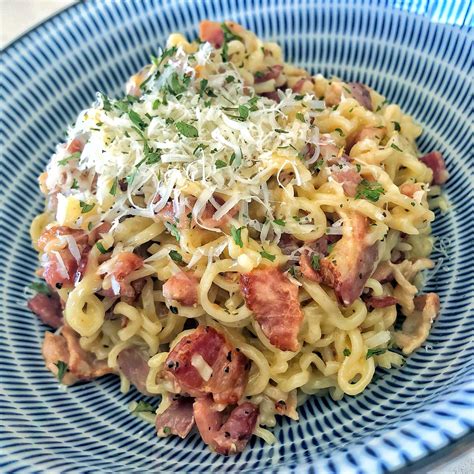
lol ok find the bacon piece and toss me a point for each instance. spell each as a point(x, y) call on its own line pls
point(182, 287)
point(348, 177)
point(134, 366)
point(81, 365)
point(274, 300)
point(417, 325)
point(273, 95)
point(367, 133)
point(211, 32)
point(351, 262)
point(435, 162)
point(48, 309)
point(272, 72)
point(307, 269)
point(361, 93)
point(59, 264)
point(289, 244)
point(229, 366)
point(54, 350)
point(225, 436)
point(94, 234)
point(409, 189)
point(299, 85)
point(118, 268)
point(381, 301)
point(177, 419)
point(75, 145)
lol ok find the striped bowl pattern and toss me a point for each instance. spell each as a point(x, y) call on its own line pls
point(414, 52)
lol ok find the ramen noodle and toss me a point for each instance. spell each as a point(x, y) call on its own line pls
point(233, 236)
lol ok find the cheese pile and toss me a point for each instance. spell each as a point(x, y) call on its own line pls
point(197, 130)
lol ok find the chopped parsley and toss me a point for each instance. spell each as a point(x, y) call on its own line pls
point(143, 407)
point(358, 167)
point(374, 352)
point(173, 230)
point(346, 352)
point(136, 119)
point(318, 165)
point(268, 256)
point(187, 130)
point(106, 105)
point(229, 79)
point(86, 207)
point(228, 36)
point(75, 184)
point(315, 262)
point(62, 369)
point(339, 130)
point(202, 87)
point(101, 248)
point(113, 189)
point(220, 164)
point(156, 104)
point(40, 287)
point(176, 86)
point(395, 147)
point(370, 190)
point(201, 146)
point(166, 430)
point(236, 235)
point(396, 126)
point(279, 130)
point(330, 248)
point(73, 156)
point(279, 222)
point(299, 97)
point(300, 117)
point(176, 256)
point(244, 112)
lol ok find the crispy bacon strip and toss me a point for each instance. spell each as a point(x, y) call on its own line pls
point(225, 436)
point(117, 269)
point(272, 72)
point(48, 308)
point(59, 263)
point(81, 365)
point(348, 177)
point(274, 300)
point(177, 419)
point(381, 301)
point(211, 32)
point(205, 345)
point(417, 325)
point(352, 260)
point(182, 287)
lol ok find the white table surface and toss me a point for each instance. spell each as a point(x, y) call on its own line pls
point(17, 16)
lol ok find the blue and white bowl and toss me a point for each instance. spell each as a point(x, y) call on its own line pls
point(414, 52)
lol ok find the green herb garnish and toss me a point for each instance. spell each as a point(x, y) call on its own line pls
point(62, 369)
point(143, 407)
point(113, 189)
point(300, 117)
point(228, 36)
point(176, 256)
point(268, 256)
point(279, 222)
point(75, 184)
point(73, 156)
point(346, 352)
point(374, 352)
point(40, 287)
point(187, 130)
point(243, 112)
point(395, 147)
point(370, 190)
point(173, 230)
point(236, 235)
point(396, 126)
point(220, 164)
point(315, 262)
point(101, 248)
point(339, 130)
point(86, 207)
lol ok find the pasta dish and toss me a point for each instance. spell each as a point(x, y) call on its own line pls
point(233, 236)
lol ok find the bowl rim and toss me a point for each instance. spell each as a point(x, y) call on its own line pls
point(453, 450)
